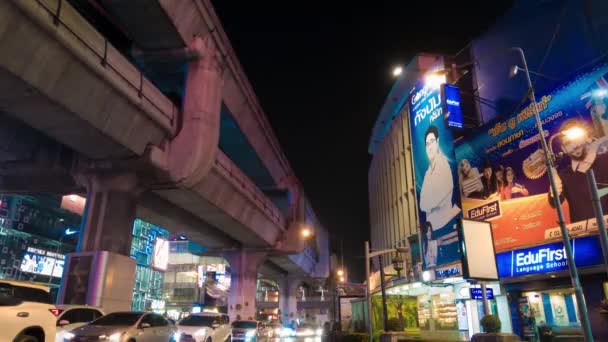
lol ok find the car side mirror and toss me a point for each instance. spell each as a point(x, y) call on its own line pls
point(63, 322)
point(145, 325)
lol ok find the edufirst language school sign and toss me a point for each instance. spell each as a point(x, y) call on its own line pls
point(549, 257)
point(435, 176)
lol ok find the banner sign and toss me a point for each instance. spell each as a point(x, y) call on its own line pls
point(502, 169)
point(451, 105)
point(476, 293)
point(549, 257)
point(435, 174)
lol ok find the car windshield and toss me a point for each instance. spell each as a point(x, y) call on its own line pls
point(198, 321)
point(118, 318)
point(244, 325)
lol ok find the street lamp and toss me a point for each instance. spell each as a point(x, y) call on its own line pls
point(340, 273)
point(306, 232)
point(397, 71)
point(580, 299)
point(397, 262)
point(435, 80)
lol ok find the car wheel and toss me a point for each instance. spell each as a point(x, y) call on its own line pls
point(26, 338)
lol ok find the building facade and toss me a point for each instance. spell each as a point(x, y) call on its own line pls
point(436, 303)
point(565, 44)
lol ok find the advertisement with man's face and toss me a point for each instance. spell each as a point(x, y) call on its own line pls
point(435, 175)
point(502, 169)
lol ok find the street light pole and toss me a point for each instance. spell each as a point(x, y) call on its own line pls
point(368, 298)
point(383, 291)
point(368, 257)
point(580, 299)
point(599, 214)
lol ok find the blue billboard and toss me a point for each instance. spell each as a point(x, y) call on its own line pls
point(549, 257)
point(476, 293)
point(435, 176)
point(451, 105)
point(503, 171)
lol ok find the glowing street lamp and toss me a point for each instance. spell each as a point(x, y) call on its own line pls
point(340, 273)
point(435, 80)
point(342, 279)
point(575, 133)
point(397, 71)
point(306, 232)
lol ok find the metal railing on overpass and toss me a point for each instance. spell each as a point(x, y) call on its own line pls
point(109, 58)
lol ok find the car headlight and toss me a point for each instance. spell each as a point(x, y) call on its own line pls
point(68, 336)
point(307, 332)
point(250, 333)
point(319, 332)
point(177, 336)
point(115, 337)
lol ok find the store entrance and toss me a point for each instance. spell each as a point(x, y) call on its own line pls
point(475, 312)
point(545, 312)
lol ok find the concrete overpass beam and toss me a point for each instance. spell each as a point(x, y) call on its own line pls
point(102, 273)
point(244, 272)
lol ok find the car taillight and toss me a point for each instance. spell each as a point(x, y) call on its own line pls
point(56, 311)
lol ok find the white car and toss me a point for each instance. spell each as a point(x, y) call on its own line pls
point(245, 331)
point(26, 312)
point(204, 327)
point(74, 316)
point(125, 327)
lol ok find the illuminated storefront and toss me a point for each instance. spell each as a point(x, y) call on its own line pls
point(36, 233)
point(150, 249)
point(194, 283)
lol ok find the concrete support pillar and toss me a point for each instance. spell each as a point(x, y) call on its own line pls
point(101, 273)
point(288, 302)
point(111, 206)
point(244, 273)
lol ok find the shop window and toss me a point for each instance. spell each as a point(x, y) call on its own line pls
point(444, 311)
point(186, 277)
point(424, 312)
point(555, 308)
point(183, 294)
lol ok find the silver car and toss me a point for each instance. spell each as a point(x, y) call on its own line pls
point(125, 327)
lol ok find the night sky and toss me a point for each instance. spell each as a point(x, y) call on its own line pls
point(322, 72)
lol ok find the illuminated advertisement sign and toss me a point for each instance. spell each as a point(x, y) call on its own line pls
point(161, 255)
point(435, 174)
point(42, 262)
point(549, 257)
point(451, 105)
point(502, 170)
point(476, 293)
